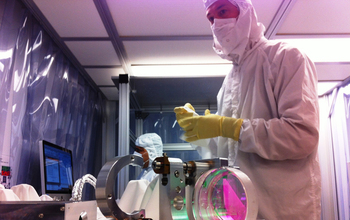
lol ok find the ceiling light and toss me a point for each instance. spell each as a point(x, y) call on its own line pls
point(324, 87)
point(323, 49)
point(170, 71)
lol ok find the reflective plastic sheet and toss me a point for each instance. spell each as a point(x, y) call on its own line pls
point(43, 96)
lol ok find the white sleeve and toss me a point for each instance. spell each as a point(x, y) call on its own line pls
point(294, 133)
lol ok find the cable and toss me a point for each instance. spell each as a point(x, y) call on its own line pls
point(79, 184)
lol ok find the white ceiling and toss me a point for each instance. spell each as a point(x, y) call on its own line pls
point(105, 38)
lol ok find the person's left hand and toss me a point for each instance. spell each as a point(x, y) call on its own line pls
point(183, 112)
point(201, 127)
point(209, 126)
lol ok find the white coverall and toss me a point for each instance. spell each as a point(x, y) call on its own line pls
point(154, 146)
point(272, 86)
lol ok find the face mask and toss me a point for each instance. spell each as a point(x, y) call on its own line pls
point(137, 154)
point(140, 155)
point(223, 32)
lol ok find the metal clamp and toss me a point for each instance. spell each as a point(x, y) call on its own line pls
point(104, 192)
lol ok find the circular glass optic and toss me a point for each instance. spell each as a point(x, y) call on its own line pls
point(225, 193)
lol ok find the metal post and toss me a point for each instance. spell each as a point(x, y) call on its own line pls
point(138, 133)
point(109, 131)
point(123, 132)
point(139, 127)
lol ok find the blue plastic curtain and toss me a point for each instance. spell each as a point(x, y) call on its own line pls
point(42, 96)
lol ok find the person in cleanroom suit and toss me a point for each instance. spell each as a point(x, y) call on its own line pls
point(268, 117)
point(148, 146)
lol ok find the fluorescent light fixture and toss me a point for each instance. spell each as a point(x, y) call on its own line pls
point(323, 49)
point(324, 87)
point(178, 147)
point(181, 70)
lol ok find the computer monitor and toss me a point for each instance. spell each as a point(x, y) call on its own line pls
point(56, 167)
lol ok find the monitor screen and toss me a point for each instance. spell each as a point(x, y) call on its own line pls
point(56, 167)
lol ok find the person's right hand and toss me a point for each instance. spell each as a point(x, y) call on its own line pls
point(183, 112)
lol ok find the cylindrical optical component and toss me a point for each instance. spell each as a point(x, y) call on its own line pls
point(225, 193)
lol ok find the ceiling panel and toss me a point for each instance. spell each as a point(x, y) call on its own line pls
point(73, 18)
point(318, 17)
point(94, 52)
point(266, 10)
point(171, 52)
point(181, 17)
point(103, 76)
point(110, 92)
point(159, 17)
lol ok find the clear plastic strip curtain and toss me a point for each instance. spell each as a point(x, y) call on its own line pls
point(334, 151)
point(42, 96)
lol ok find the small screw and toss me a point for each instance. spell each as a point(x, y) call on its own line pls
point(177, 173)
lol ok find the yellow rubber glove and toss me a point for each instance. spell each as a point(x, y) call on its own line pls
point(209, 126)
point(183, 112)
